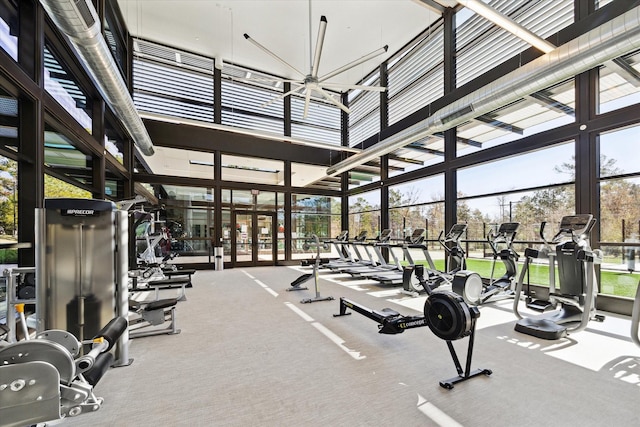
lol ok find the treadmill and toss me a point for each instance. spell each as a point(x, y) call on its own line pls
point(361, 271)
point(395, 277)
point(349, 259)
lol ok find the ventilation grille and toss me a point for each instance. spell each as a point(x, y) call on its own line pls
point(85, 13)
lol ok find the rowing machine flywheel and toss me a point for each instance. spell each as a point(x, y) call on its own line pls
point(448, 316)
point(469, 285)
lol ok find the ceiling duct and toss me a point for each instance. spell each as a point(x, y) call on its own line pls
point(610, 40)
point(80, 22)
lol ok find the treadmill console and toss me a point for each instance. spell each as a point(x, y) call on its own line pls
point(385, 235)
point(417, 237)
point(343, 236)
point(362, 236)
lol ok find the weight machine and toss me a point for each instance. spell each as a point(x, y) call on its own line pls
point(47, 378)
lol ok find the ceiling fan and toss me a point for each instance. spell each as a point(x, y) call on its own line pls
point(311, 82)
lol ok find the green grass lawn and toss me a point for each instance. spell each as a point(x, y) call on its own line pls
point(616, 283)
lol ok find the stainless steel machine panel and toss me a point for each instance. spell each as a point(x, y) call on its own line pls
point(75, 270)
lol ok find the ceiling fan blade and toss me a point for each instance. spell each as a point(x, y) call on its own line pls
point(331, 99)
point(281, 96)
point(347, 86)
point(307, 100)
point(265, 79)
point(246, 36)
point(319, 42)
point(354, 63)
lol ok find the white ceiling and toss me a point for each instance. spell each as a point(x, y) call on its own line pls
point(216, 29)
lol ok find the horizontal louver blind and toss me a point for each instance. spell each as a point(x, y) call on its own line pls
point(417, 62)
point(478, 54)
point(168, 90)
point(364, 119)
point(366, 127)
point(424, 91)
point(242, 106)
point(322, 123)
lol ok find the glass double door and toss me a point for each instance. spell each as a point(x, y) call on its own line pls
point(254, 242)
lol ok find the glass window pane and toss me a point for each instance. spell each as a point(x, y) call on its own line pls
point(538, 168)
point(539, 112)
point(55, 188)
point(8, 198)
point(364, 174)
point(615, 152)
point(620, 223)
point(242, 199)
point(319, 215)
point(616, 89)
point(412, 205)
point(9, 122)
point(61, 155)
point(9, 29)
point(266, 201)
point(61, 85)
point(416, 75)
point(322, 124)
point(251, 105)
point(364, 214)
point(364, 118)
point(424, 152)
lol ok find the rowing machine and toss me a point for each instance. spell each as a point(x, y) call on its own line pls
point(447, 315)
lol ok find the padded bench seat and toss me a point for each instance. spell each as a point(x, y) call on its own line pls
point(186, 272)
point(163, 284)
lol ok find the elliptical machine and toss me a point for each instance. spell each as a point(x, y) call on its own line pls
point(572, 304)
point(454, 262)
point(473, 289)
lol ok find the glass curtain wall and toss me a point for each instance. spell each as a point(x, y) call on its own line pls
point(619, 188)
point(186, 223)
point(417, 204)
point(529, 189)
point(364, 214)
point(312, 214)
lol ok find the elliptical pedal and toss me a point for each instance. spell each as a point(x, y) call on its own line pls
point(540, 305)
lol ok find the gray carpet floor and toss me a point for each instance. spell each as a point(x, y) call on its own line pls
point(251, 353)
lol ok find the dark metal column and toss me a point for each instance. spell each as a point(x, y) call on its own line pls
point(450, 138)
point(98, 168)
point(344, 177)
point(31, 128)
point(287, 209)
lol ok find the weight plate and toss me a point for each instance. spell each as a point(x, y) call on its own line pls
point(43, 351)
point(64, 338)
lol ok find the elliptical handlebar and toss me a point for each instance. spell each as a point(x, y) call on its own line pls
point(506, 234)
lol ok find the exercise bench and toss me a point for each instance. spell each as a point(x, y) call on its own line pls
point(154, 313)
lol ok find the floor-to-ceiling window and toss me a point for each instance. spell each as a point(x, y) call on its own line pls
point(619, 187)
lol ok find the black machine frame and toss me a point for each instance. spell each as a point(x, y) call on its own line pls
point(445, 313)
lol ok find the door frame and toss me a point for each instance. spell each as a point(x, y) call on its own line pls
point(255, 261)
